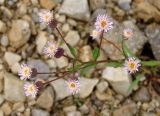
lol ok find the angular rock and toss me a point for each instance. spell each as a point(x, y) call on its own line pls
point(95, 4)
point(46, 99)
point(48, 4)
point(102, 86)
point(85, 53)
point(1, 113)
point(69, 108)
point(126, 110)
point(155, 3)
point(142, 95)
point(13, 88)
point(1, 99)
point(39, 112)
point(19, 33)
point(78, 10)
point(11, 58)
point(41, 41)
point(118, 78)
point(40, 66)
point(15, 68)
point(61, 62)
point(153, 33)
point(19, 107)
point(74, 113)
point(1, 81)
point(125, 4)
point(6, 108)
point(86, 86)
point(3, 27)
point(4, 40)
point(72, 38)
point(60, 85)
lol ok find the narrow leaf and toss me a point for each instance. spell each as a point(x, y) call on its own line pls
point(151, 63)
point(87, 67)
point(114, 64)
point(72, 50)
point(95, 53)
point(127, 51)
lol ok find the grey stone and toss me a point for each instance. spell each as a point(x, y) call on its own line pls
point(118, 78)
point(85, 53)
point(39, 112)
point(74, 113)
point(69, 108)
point(125, 4)
point(72, 38)
point(40, 66)
point(84, 108)
point(1, 113)
point(126, 110)
point(11, 58)
point(142, 95)
point(153, 33)
point(86, 86)
point(61, 62)
point(95, 4)
point(4, 40)
point(1, 99)
point(102, 86)
point(78, 10)
point(46, 99)
point(19, 33)
point(19, 107)
point(13, 88)
point(3, 27)
point(6, 108)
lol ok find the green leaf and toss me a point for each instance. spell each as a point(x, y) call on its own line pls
point(135, 82)
point(114, 64)
point(95, 53)
point(76, 67)
point(72, 50)
point(127, 51)
point(151, 63)
point(87, 67)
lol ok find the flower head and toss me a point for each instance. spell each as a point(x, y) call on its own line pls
point(95, 34)
point(103, 23)
point(30, 89)
point(132, 65)
point(128, 33)
point(45, 16)
point(73, 86)
point(25, 72)
point(51, 48)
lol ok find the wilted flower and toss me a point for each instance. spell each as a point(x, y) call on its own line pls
point(132, 65)
point(30, 89)
point(73, 86)
point(128, 33)
point(51, 48)
point(95, 34)
point(103, 23)
point(45, 16)
point(25, 72)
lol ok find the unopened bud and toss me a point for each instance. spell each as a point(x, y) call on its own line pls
point(59, 53)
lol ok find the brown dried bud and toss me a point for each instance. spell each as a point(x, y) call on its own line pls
point(53, 24)
point(39, 85)
point(34, 72)
point(59, 53)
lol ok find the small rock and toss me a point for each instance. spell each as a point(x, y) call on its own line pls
point(11, 58)
point(125, 4)
point(19, 107)
point(1, 99)
point(2, 2)
point(15, 68)
point(4, 40)
point(86, 86)
point(95, 4)
point(149, 114)
point(6, 108)
point(6, 12)
point(1, 113)
point(19, 33)
point(51, 63)
point(155, 3)
point(65, 28)
point(61, 18)
point(86, 53)
point(61, 62)
point(153, 33)
point(35, 2)
point(13, 93)
point(59, 85)
point(142, 95)
point(74, 113)
point(3, 27)
point(46, 99)
point(105, 112)
point(72, 38)
point(118, 78)
point(84, 109)
point(102, 86)
point(39, 112)
point(126, 110)
point(102, 96)
point(72, 22)
point(48, 4)
point(40, 66)
point(41, 41)
point(78, 10)
point(21, 9)
point(69, 108)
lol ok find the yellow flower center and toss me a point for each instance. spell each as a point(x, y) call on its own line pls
point(132, 65)
point(31, 89)
point(72, 85)
point(103, 23)
point(26, 71)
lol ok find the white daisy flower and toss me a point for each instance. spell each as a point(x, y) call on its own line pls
point(128, 33)
point(73, 86)
point(30, 89)
point(50, 49)
point(132, 65)
point(45, 16)
point(103, 23)
point(25, 72)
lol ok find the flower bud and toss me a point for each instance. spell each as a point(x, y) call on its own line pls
point(39, 85)
point(59, 53)
point(53, 24)
point(34, 72)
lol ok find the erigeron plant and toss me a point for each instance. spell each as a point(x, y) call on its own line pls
point(52, 49)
